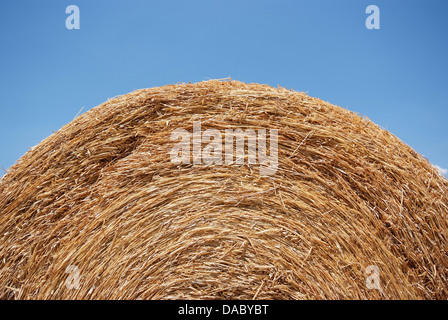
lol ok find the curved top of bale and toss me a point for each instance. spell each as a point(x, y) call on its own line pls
point(102, 197)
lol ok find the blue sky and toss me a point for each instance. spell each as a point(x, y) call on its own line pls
point(396, 76)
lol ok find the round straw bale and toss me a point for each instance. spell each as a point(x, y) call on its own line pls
point(98, 210)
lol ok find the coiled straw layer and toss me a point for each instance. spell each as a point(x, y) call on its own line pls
point(102, 195)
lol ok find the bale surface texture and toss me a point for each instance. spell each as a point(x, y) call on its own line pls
point(101, 194)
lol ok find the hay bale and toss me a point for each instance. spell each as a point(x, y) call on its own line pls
point(102, 195)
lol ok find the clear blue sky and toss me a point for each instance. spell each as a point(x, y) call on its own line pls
point(397, 76)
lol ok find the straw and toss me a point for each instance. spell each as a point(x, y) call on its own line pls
point(102, 195)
